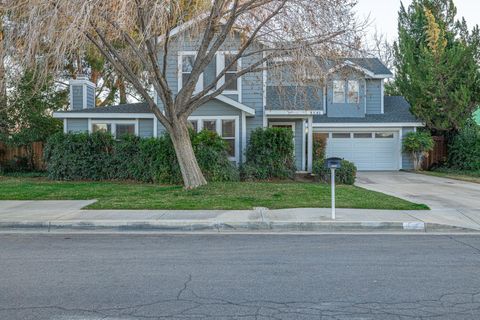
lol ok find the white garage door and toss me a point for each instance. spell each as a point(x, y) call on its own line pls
point(368, 150)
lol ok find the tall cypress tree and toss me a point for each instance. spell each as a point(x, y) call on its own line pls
point(436, 62)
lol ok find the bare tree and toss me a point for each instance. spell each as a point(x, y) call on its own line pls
point(136, 37)
point(381, 48)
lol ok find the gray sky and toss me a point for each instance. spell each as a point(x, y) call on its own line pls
point(383, 13)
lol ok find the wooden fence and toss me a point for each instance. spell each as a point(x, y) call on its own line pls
point(438, 155)
point(9, 154)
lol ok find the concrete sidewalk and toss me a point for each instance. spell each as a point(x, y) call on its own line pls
point(68, 215)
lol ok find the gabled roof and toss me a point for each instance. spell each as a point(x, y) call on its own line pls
point(372, 67)
point(137, 109)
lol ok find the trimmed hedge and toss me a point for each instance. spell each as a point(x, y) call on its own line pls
point(345, 175)
point(464, 150)
point(270, 154)
point(99, 156)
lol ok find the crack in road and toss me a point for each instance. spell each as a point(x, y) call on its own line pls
point(190, 305)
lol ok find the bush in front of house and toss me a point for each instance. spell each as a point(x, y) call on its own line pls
point(99, 156)
point(418, 144)
point(270, 154)
point(79, 156)
point(346, 174)
point(464, 149)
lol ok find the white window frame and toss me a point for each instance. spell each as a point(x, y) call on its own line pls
point(333, 91)
point(221, 65)
point(218, 127)
point(113, 123)
point(199, 85)
point(357, 92)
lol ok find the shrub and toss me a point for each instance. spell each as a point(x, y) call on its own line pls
point(417, 144)
point(99, 157)
point(345, 175)
point(18, 164)
point(269, 154)
point(212, 157)
point(464, 150)
point(79, 156)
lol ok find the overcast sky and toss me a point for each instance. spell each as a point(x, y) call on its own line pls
point(383, 13)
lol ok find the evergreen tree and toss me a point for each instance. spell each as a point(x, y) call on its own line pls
point(29, 112)
point(436, 62)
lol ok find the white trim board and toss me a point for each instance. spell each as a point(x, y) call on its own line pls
point(106, 115)
point(249, 111)
point(347, 125)
point(293, 112)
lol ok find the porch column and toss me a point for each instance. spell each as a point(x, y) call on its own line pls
point(310, 144)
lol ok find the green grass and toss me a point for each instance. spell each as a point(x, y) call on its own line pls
point(228, 196)
point(470, 176)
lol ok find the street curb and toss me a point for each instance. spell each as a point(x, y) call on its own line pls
point(196, 226)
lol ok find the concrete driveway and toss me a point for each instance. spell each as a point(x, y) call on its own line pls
point(453, 198)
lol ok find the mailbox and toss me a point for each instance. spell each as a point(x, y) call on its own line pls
point(334, 163)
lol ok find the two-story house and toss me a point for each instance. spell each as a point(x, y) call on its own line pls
point(359, 123)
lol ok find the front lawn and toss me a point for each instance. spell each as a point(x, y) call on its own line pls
point(228, 196)
point(470, 176)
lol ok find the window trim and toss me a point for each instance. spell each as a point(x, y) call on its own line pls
point(220, 61)
point(218, 126)
point(114, 123)
point(181, 54)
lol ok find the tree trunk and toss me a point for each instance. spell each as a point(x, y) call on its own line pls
point(191, 173)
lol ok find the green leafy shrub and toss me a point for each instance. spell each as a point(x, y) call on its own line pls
point(100, 157)
point(79, 156)
point(212, 157)
point(269, 155)
point(417, 144)
point(464, 150)
point(345, 175)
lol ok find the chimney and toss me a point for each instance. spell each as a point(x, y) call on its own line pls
point(82, 93)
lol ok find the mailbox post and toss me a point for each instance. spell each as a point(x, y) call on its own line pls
point(332, 164)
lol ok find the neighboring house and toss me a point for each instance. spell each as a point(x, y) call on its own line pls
point(351, 112)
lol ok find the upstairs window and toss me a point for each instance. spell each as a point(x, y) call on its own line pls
point(186, 60)
point(338, 91)
point(353, 91)
point(231, 73)
point(224, 59)
point(187, 66)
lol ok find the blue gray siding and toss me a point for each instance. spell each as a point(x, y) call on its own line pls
point(407, 162)
point(352, 110)
point(90, 97)
point(77, 97)
point(77, 125)
point(216, 108)
point(374, 96)
point(145, 128)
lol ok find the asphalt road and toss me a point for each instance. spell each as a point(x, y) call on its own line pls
point(87, 277)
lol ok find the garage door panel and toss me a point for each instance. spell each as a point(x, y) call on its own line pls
point(366, 153)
